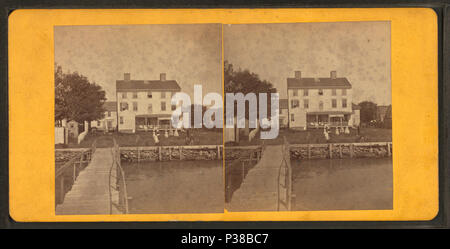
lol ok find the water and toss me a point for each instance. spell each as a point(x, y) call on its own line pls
point(197, 186)
point(175, 187)
point(343, 184)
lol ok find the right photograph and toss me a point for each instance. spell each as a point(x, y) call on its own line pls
point(321, 135)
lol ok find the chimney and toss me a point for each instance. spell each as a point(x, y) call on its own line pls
point(126, 76)
point(162, 76)
point(298, 74)
point(333, 75)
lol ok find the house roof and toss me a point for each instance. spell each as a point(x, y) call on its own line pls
point(293, 83)
point(110, 106)
point(130, 85)
point(284, 104)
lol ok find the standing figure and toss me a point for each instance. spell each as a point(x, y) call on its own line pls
point(347, 130)
point(325, 133)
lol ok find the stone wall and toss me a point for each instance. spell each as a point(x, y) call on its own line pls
point(233, 153)
point(170, 153)
point(340, 151)
point(63, 156)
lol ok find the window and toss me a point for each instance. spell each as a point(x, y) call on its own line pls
point(123, 106)
point(294, 103)
point(305, 92)
point(149, 95)
point(174, 107)
point(333, 92)
point(292, 118)
point(320, 92)
point(344, 103)
point(135, 95)
point(109, 114)
point(150, 108)
point(344, 92)
point(98, 123)
point(163, 106)
point(163, 95)
point(295, 92)
point(172, 93)
point(121, 120)
point(124, 95)
point(320, 105)
point(135, 106)
point(334, 103)
point(305, 103)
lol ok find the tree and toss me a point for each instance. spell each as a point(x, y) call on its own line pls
point(368, 111)
point(76, 98)
point(244, 81)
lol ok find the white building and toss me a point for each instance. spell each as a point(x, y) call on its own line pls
point(145, 104)
point(315, 102)
point(284, 113)
point(109, 122)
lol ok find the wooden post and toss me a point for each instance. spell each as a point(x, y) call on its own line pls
point(170, 153)
point(340, 150)
point(159, 153)
point(351, 150)
point(243, 170)
point(74, 176)
point(180, 150)
point(309, 151)
point(218, 152)
point(61, 187)
point(139, 154)
point(330, 148)
point(388, 148)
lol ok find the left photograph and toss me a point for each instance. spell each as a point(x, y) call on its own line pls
point(118, 149)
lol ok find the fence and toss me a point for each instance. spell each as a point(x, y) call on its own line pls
point(237, 169)
point(117, 183)
point(66, 175)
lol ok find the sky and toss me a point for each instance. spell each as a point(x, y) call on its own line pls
point(359, 51)
point(188, 53)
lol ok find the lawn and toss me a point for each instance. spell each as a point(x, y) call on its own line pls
point(316, 136)
point(200, 137)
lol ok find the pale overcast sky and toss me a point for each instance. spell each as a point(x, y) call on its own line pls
point(188, 53)
point(359, 51)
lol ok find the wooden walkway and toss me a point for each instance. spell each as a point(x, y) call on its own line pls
point(90, 192)
point(259, 190)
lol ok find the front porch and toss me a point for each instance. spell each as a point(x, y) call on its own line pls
point(319, 120)
point(153, 121)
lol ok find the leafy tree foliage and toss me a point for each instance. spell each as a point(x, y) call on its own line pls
point(76, 98)
point(368, 111)
point(244, 81)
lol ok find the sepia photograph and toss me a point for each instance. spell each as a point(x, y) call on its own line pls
point(117, 148)
point(332, 89)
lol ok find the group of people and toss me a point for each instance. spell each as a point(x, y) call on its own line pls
point(167, 133)
point(338, 131)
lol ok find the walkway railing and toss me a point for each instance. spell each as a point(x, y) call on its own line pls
point(236, 171)
point(284, 191)
point(117, 183)
point(66, 175)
